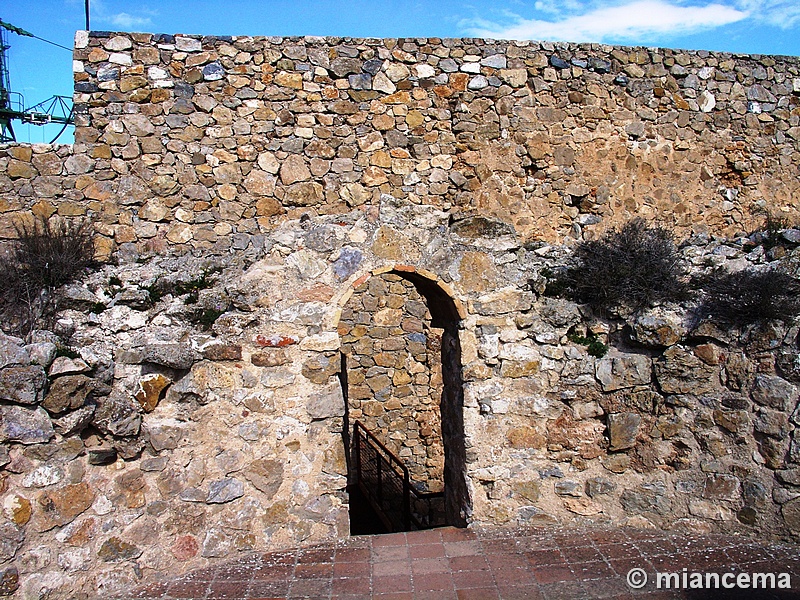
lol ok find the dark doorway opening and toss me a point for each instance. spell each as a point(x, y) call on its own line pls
point(363, 518)
point(452, 504)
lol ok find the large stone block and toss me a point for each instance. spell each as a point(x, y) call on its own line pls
point(623, 429)
point(681, 372)
point(22, 385)
point(25, 425)
point(61, 506)
point(68, 393)
point(620, 371)
point(774, 392)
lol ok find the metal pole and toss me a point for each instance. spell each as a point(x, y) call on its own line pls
point(357, 441)
point(406, 501)
point(86, 6)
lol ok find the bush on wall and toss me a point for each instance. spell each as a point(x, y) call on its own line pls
point(745, 297)
point(47, 254)
point(635, 267)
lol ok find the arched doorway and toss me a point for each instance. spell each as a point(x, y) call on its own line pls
point(401, 379)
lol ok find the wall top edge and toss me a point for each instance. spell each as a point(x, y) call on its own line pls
point(165, 38)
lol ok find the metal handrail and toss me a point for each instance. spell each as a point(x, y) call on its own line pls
point(377, 496)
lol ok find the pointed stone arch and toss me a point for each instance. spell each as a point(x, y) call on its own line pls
point(438, 334)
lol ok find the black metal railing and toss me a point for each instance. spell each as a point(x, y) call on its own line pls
point(385, 481)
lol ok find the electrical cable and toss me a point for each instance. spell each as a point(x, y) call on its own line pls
point(22, 32)
point(53, 43)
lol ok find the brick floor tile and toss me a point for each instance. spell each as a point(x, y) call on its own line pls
point(277, 559)
point(567, 590)
point(313, 571)
point(393, 583)
point(747, 554)
point(435, 595)
point(352, 585)
point(449, 563)
point(356, 541)
point(154, 590)
point(514, 577)
point(615, 587)
point(270, 573)
point(389, 539)
point(433, 581)
point(426, 550)
point(472, 579)
point(453, 534)
point(582, 554)
point(502, 546)
point(592, 570)
point(227, 590)
point(526, 592)
point(622, 566)
point(570, 539)
point(188, 589)
point(316, 555)
point(553, 574)
point(780, 551)
point(655, 547)
point(303, 588)
point(268, 589)
point(507, 561)
point(490, 593)
point(608, 536)
point(542, 542)
point(199, 575)
point(620, 550)
point(430, 565)
point(462, 548)
point(468, 563)
point(236, 572)
point(345, 555)
point(545, 557)
point(391, 567)
point(352, 569)
point(667, 562)
point(428, 536)
point(384, 553)
point(643, 534)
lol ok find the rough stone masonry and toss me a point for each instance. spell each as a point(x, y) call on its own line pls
point(265, 205)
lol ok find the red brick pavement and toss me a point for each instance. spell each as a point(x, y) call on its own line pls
point(459, 564)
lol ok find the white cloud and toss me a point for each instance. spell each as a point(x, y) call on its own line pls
point(126, 22)
point(634, 21)
point(780, 13)
point(102, 13)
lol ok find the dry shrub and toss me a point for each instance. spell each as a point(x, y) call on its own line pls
point(745, 297)
point(636, 267)
point(47, 254)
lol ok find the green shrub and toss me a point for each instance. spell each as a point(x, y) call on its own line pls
point(745, 297)
point(636, 267)
point(593, 345)
point(160, 287)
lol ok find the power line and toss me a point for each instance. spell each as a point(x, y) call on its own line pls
point(53, 43)
point(22, 32)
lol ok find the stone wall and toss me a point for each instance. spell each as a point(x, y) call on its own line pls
point(205, 143)
point(250, 191)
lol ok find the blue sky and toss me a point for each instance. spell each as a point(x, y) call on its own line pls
point(39, 70)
